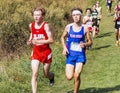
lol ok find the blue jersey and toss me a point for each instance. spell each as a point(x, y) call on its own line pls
point(73, 42)
point(109, 3)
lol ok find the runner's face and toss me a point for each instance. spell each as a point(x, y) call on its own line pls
point(76, 17)
point(119, 3)
point(94, 7)
point(88, 12)
point(97, 4)
point(38, 16)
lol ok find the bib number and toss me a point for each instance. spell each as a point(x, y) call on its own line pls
point(109, 1)
point(75, 47)
point(94, 16)
point(118, 23)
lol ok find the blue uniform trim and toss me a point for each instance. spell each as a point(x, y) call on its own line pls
point(75, 59)
point(75, 56)
point(109, 4)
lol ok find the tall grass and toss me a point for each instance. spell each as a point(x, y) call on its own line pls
point(17, 14)
point(15, 17)
point(101, 72)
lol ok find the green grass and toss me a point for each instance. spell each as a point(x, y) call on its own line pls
point(100, 74)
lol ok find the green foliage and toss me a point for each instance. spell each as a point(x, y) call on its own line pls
point(59, 14)
point(15, 76)
point(100, 73)
point(14, 30)
point(17, 14)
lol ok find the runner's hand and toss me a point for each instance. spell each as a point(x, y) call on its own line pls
point(83, 45)
point(29, 42)
point(65, 51)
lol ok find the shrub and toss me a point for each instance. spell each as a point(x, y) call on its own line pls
point(16, 16)
point(14, 30)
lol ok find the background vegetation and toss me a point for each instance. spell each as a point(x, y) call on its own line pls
point(100, 74)
point(17, 14)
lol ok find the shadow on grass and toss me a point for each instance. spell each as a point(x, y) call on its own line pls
point(97, 48)
point(99, 90)
point(104, 35)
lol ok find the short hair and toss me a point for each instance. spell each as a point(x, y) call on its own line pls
point(89, 9)
point(94, 4)
point(40, 9)
point(79, 9)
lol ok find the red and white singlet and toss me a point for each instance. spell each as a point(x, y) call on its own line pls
point(41, 52)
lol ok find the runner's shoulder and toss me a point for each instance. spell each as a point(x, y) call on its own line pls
point(68, 27)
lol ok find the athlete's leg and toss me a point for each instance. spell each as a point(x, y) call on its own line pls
point(46, 69)
point(117, 34)
point(35, 68)
point(69, 71)
point(47, 73)
point(94, 31)
point(97, 30)
point(77, 80)
point(108, 9)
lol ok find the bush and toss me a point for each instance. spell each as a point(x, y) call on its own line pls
point(14, 30)
point(16, 16)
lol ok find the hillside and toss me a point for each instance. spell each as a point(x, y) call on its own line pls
point(100, 74)
point(16, 15)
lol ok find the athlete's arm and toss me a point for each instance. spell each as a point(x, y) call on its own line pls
point(100, 15)
point(88, 38)
point(115, 17)
point(63, 38)
point(30, 38)
point(49, 34)
point(84, 20)
point(115, 9)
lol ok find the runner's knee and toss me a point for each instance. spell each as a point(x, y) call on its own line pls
point(35, 75)
point(69, 77)
point(76, 75)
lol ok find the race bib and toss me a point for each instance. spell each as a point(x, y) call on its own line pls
point(75, 47)
point(38, 37)
point(94, 16)
point(118, 23)
point(109, 1)
point(89, 24)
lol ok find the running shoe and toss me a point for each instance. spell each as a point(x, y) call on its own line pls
point(52, 81)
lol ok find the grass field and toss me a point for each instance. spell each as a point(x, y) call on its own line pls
point(100, 74)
